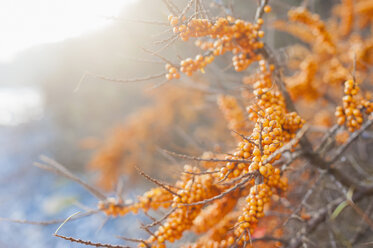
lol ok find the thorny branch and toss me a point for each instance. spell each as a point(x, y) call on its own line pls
point(53, 166)
point(183, 156)
point(49, 222)
point(90, 243)
point(161, 184)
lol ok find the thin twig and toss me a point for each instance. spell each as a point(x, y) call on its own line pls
point(183, 156)
point(351, 139)
point(157, 222)
point(161, 184)
point(49, 222)
point(52, 165)
point(87, 242)
point(129, 80)
point(260, 9)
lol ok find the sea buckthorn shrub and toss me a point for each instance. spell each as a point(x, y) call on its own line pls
point(255, 154)
point(291, 122)
point(142, 131)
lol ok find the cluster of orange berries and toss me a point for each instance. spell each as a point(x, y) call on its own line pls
point(214, 213)
point(242, 61)
point(172, 72)
point(269, 134)
point(152, 199)
point(271, 103)
point(237, 36)
point(323, 37)
point(235, 169)
point(188, 66)
point(302, 84)
point(351, 112)
point(113, 207)
point(193, 28)
point(205, 45)
point(273, 127)
point(293, 122)
point(266, 98)
point(269, 139)
point(222, 28)
point(221, 235)
point(259, 195)
point(192, 189)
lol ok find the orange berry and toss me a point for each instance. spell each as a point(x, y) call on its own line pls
point(267, 9)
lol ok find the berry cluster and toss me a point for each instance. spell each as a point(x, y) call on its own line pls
point(188, 66)
point(192, 189)
point(273, 127)
point(172, 72)
point(113, 207)
point(272, 104)
point(219, 235)
point(214, 213)
point(227, 34)
point(323, 38)
point(351, 113)
point(259, 195)
point(302, 83)
point(152, 199)
point(235, 169)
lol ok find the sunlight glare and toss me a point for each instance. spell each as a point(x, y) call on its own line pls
point(25, 23)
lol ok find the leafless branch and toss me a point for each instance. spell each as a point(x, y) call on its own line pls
point(53, 166)
point(90, 243)
point(161, 184)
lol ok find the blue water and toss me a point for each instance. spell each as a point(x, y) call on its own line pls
point(27, 192)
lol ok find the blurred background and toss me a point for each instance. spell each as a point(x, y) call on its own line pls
point(47, 106)
point(46, 48)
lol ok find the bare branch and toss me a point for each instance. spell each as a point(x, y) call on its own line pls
point(49, 222)
point(157, 222)
point(52, 165)
point(87, 242)
point(183, 156)
point(161, 184)
point(129, 80)
point(260, 9)
point(352, 138)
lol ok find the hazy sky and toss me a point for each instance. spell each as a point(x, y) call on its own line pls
point(24, 23)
